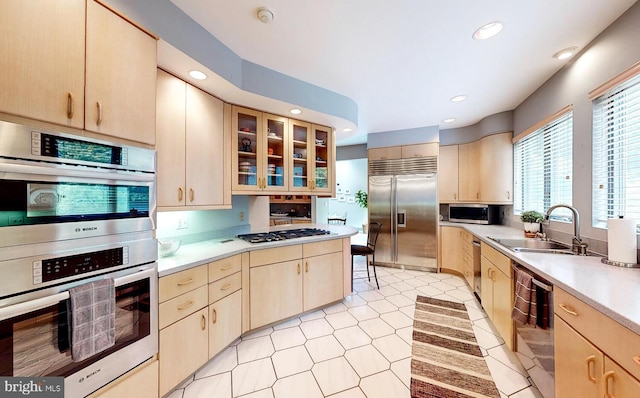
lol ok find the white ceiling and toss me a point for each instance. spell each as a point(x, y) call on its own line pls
point(401, 61)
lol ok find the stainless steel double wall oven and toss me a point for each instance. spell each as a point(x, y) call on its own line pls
point(74, 210)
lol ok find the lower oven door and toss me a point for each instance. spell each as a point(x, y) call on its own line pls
point(34, 334)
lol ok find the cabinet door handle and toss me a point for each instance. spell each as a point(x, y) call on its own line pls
point(306, 266)
point(636, 359)
point(203, 323)
point(508, 195)
point(214, 316)
point(70, 106)
point(591, 360)
point(455, 196)
point(99, 106)
point(185, 305)
point(608, 376)
point(568, 309)
point(225, 267)
point(298, 269)
point(185, 282)
point(191, 194)
point(180, 194)
point(477, 195)
point(226, 286)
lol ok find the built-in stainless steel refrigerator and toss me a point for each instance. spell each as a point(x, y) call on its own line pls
point(406, 206)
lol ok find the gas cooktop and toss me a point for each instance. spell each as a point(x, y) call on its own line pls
point(283, 235)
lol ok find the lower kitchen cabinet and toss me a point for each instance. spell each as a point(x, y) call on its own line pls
point(497, 291)
point(141, 382)
point(594, 355)
point(275, 292)
point(322, 280)
point(183, 349)
point(451, 249)
point(225, 323)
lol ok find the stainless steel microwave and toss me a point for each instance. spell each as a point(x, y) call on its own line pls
point(475, 213)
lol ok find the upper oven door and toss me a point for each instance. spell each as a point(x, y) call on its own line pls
point(43, 202)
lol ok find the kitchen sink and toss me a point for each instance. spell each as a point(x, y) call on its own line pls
point(534, 246)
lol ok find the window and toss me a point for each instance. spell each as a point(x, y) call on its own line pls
point(543, 168)
point(616, 153)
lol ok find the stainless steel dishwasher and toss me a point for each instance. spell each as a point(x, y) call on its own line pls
point(534, 344)
point(476, 268)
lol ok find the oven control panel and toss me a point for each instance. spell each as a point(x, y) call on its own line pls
point(51, 269)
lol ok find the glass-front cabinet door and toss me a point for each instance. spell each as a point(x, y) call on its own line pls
point(247, 148)
point(324, 155)
point(276, 161)
point(302, 155)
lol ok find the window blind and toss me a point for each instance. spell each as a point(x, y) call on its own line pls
point(543, 168)
point(616, 153)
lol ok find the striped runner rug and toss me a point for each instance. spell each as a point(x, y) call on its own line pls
point(446, 359)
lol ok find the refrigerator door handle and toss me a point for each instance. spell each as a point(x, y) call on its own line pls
point(401, 218)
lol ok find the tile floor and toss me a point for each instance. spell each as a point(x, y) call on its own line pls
point(360, 347)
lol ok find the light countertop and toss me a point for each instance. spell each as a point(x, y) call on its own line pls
point(612, 290)
point(199, 253)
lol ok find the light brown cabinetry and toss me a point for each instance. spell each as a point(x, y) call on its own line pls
point(48, 75)
point(225, 303)
point(448, 174)
point(484, 171)
point(451, 249)
point(593, 361)
point(42, 61)
point(120, 85)
point(289, 280)
point(403, 151)
point(468, 258)
point(141, 382)
point(497, 291)
point(183, 340)
point(190, 132)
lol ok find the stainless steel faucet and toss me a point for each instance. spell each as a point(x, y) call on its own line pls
point(577, 245)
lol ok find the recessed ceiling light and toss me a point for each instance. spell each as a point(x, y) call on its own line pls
point(458, 98)
point(565, 53)
point(196, 74)
point(295, 111)
point(347, 130)
point(488, 30)
point(449, 120)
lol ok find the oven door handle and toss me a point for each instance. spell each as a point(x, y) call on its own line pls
point(19, 171)
point(44, 302)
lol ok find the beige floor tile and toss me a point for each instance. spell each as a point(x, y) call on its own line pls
point(371, 295)
point(291, 361)
point(316, 328)
point(383, 385)
point(352, 337)
point(397, 319)
point(402, 370)
point(335, 375)
point(214, 386)
point(363, 312)
point(288, 324)
point(366, 360)
point(310, 316)
point(507, 380)
point(324, 348)
point(382, 306)
point(351, 393)
point(392, 347)
point(287, 338)
point(340, 320)
point(296, 386)
point(257, 348)
point(354, 300)
point(266, 393)
point(252, 376)
point(376, 328)
point(332, 309)
point(223, 362)
point(400, 300)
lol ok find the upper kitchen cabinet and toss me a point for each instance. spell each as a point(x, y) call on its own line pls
point(120, 96)
point(42, 46)
point(260, 151)
point(47, 75)
point(324, 160)
point(479, 171)
point(403, 151)
point(312, 158)
point(193, 147)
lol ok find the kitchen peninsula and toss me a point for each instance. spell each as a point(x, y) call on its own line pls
point(211, 292)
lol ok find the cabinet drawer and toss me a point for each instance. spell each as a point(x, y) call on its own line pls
point(324, 247)
point(181, 306)
point(615, 340)
point(224, 287)
point(274, 255)
point(467, 259)
point(498, 259)
point(467, 247)
point(391, 152)
point(467, 236)
point(420, 150)
point(171, 286)
point(225, 267)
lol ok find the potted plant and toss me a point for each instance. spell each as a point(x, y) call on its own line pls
point(362, 201)
point(531, 220)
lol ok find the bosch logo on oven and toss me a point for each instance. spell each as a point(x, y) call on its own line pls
point(86, 229)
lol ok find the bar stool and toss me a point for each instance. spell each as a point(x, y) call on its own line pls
point(368, 250)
